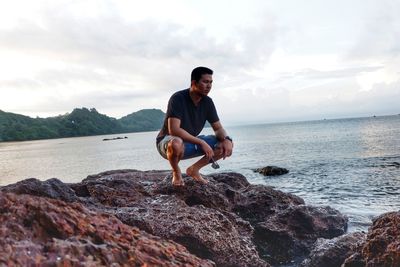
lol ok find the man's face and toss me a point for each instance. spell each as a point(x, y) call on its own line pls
point(203, 86)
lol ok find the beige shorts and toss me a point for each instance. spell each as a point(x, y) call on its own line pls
point(191, 150)
point(163, 145)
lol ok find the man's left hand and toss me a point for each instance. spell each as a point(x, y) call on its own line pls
point(227, 147)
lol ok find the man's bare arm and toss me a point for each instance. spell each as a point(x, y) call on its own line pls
point(174, 127)
point(219, 131)
point(226, 144)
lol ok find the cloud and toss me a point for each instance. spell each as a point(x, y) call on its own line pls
point(335, 74)
point(380, 38)
point(87, 53)
point(90, 58)
point(68, 54)
point(109, 41)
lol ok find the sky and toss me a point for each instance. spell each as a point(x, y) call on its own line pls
point(273, 60)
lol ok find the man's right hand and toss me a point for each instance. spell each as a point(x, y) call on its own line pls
point(208, 151)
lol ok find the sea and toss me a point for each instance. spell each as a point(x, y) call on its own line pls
point(352, 165)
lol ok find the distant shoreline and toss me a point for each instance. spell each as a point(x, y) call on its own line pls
point(99, 135)
point(233, 126)
point(79, 123)
point(312, 120)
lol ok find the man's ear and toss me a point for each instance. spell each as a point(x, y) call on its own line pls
point(193, 83)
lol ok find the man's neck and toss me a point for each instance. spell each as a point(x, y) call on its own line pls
point(196, 98)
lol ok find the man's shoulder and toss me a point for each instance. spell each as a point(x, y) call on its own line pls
point(207, 100)
point(181, 93)
point(180, 96)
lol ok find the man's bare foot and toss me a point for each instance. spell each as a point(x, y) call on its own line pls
point(177, 179)
point(195, 175)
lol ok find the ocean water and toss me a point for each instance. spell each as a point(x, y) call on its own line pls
point(352, 165)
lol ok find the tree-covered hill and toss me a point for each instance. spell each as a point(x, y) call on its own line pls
point(80, 122)
point(150, 119)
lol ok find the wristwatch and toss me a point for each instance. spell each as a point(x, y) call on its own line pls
point(228, 138)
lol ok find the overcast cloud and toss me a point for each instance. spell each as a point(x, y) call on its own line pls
point(273, 60)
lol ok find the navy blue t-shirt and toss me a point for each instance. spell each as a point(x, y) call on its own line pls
point(193, 118)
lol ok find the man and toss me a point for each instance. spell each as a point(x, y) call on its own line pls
point(187, 112)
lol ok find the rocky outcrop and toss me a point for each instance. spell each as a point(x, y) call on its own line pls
point(52, 188)
point(196, 216)
point(271, 170)
point(228, 221)
point(296, 229)
point(333, 252)
point(382, 247)
point(37, 231)
point(379, 248)
point(207, 233)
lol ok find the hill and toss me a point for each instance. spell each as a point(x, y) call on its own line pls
point(80, 122)
point(149, 119)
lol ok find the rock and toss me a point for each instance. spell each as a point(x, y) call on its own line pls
point(289, 234)
point(115, 138)
point(257, 202)
point(140, 176)
point(285, 229)
point(228, 221)
point(333, 252)
point(355, 260)
point(211, 195)
point(271, 170)
point(231, 192)
point(36, 231)
point(382, 246)
point(208, 233)
point(116, 191)
point(233, 179)
point(192, 216)
point(52, 188)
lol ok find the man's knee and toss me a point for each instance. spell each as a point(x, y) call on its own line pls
point(175, 146)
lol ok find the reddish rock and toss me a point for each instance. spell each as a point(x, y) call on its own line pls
point(211, 195)
point(214, 221)
point(52, 188)
point(265, 208)
point(143, 176)
point(36, 231)
point(221, 237)
point(382, 247)
point(285, 229)
point(333, 252)
point(233, 179)
point(258, 202)
point(195, 216)
point(290, 233)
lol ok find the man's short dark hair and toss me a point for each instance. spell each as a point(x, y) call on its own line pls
point(198, 72)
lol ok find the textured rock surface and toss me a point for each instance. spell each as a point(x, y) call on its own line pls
point(382, 247)
point(285, 229)
point(195, 216)
point(333, 252)
point(37, 231)
point(208, 233)
point(296, 228)
point(227, 221)
point(258, 202)
point(52, 188)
